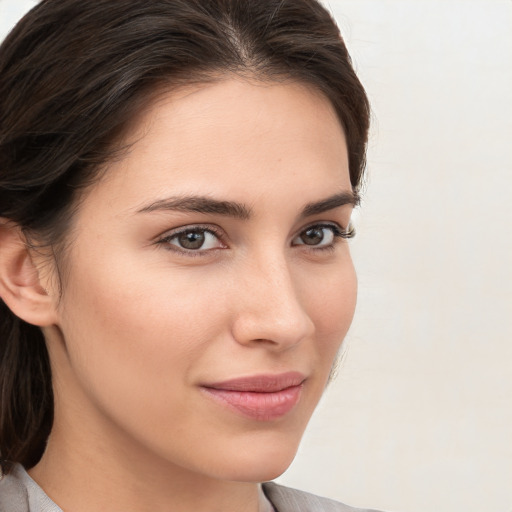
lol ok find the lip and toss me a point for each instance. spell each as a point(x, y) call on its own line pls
point(259, 397)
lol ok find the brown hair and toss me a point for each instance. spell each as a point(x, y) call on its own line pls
point(73, 73)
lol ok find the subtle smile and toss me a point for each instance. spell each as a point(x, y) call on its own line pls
point(261, 397)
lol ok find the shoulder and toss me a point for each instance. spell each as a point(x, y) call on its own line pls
point(19, 493)
point(13, 494)
point(285, 499)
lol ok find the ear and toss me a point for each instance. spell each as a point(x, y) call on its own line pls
point(20, 286)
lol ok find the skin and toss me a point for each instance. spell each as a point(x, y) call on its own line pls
point(142, 324)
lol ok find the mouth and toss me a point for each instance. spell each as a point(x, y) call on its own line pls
point(259, 397)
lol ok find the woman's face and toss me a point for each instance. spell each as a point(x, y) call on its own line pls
point(208, 287)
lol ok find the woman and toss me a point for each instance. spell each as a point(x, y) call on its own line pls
point(176, 184)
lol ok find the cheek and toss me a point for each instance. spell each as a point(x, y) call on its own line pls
point(133, 333)
point(330, 299)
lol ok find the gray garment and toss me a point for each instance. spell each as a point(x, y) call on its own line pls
point(19, 493)
point(285, 499)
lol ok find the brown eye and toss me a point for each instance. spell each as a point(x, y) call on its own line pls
point(313, 236)
point(191, 240)
point(318, 236)
point(196, 239)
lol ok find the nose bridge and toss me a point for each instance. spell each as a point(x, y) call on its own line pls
point(270, 307)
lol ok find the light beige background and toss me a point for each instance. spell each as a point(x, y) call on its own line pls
point(420, 417)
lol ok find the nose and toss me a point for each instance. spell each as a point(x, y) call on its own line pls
point(268, 307)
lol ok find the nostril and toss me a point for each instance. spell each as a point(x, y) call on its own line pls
point(273, 328)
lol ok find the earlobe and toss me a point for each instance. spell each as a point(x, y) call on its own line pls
point(20, 286)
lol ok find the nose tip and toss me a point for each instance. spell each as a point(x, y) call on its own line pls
point(271, 312)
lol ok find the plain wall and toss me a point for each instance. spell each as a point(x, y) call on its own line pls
point(420, 416)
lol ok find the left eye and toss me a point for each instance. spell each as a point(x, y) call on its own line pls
point(318, 236)
point(194, 240)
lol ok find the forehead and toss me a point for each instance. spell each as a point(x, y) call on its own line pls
point(215, 138)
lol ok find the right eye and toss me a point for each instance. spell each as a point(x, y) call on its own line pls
point(195, 239)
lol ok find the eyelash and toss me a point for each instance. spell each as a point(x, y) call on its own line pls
point(337, 232)
point(212, 230)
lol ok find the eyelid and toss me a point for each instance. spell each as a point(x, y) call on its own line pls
point(339, 231)
point(208, 228)
point(212, 228)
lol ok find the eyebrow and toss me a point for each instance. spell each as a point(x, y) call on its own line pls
point(200, 204)
point(207, 205)
point(332, 202)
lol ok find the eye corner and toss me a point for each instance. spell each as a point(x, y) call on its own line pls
point(349, 232)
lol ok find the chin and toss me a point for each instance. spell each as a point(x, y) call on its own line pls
point(259, 462)
point(259, 472)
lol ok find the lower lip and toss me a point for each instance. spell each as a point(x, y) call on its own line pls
point(258, 406)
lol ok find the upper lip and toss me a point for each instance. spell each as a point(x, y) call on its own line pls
point(264, 383)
